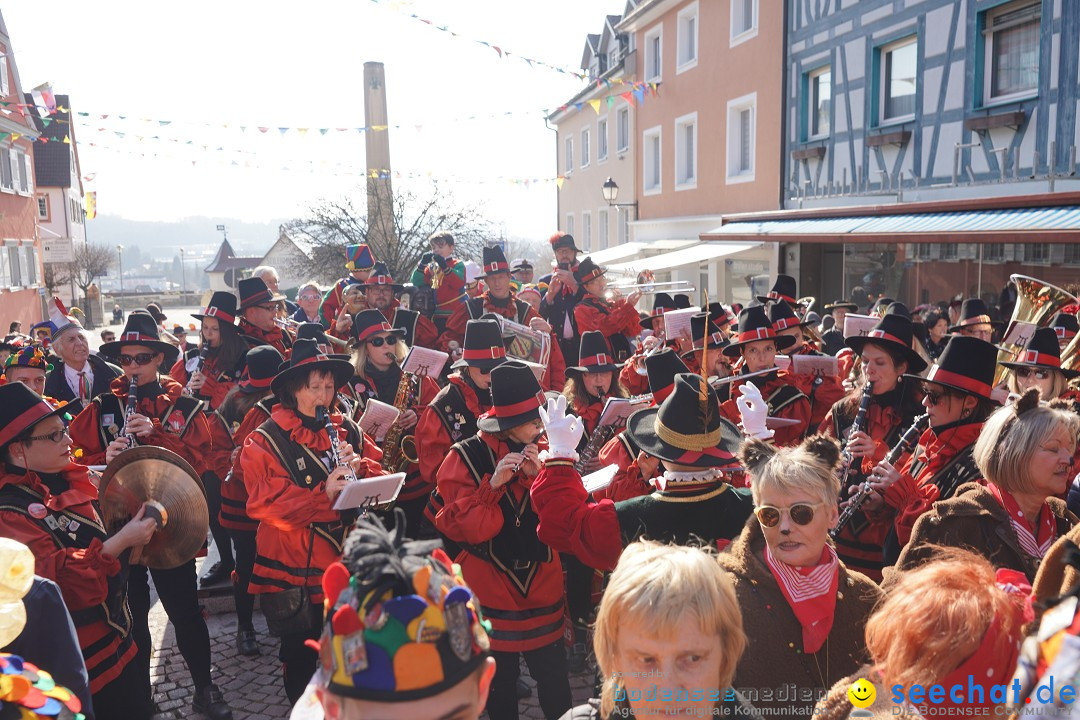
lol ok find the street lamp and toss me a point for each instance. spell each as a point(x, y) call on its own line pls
point(183, 276)
point(611, 194)
point(120, 265)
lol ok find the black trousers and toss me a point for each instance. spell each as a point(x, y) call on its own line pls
point(244, 540)
point(212, 484)
point(125, 698)
point(178, 591)
point(547, 666)
point(579, 582)
point(297, 662)
point(417, 526)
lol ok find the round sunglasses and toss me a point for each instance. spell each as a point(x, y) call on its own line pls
point(800, 514)
point(379, 342)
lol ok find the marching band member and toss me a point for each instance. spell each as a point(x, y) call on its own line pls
point(757, 344)
point(703, 332)
point(956, 395)
point(821, 390)
point(484, 483)
point(974, 321)
point(885, 355)
point(379, 291)
point(1065, 326)
point(166, 418)
point(443, 273)
point(562, 294)
point(692, 500)
point(224, 351)
point(783, 289)
point(247, 406)
point(1038, 366)
point(592, 381)
point(77, 374)
point(50, 504)
point(291, 489)
point(805, 610)
point(1024, 453)
point(258, 308)
point(358, 261)
point(618, 319)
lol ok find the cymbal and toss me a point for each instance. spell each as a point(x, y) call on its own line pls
point(155, 475)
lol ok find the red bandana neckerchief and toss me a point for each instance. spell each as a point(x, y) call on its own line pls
point(1035, 546)
point(811, 593)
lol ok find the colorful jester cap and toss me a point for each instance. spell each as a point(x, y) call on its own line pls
point(402, 625)
point(358, 257)
point(27, 692)
point(30, 356)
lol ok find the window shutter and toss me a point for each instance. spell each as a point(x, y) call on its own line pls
point(5, 87)
point(15, 265)
point(30, 256)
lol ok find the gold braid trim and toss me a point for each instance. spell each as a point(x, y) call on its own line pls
point(695, 443)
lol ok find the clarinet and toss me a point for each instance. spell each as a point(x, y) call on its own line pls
point(857, 426)
point(323, 416)
point(905, 444)
point(203, 352)
point(132, 408)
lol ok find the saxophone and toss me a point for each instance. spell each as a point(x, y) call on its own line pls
point(400, 452)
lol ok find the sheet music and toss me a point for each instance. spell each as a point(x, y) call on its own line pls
point(814, 364)
point(782, 361)
point(1019, 333)
point(377, 418)
point(525, 343)
point(616, 410)
point(855, 325)
point(599, 479)
point(370, 492)
point(425, 361)
point(677, 323)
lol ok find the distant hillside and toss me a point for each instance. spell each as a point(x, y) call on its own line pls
point(194, 234)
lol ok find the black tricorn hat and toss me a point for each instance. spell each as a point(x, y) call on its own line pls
point(754, 326)
point(967, 364)
point(894, 332)
point(973, 312)
point(254, 291)
point(494, 262)
point(595, 355)
point(261, 365)
point(662, 367)
point(21, 408)
point(222, 307)
point(516, 398)
point(306, 357)
point(142, 329)
point(841, 305)
point(1042, 351)
point(588, 270)
point(782, 289)
point(676, 432)
point(483, 347)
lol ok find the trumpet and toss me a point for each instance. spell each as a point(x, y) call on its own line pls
point(680, 286)
point(287, 324)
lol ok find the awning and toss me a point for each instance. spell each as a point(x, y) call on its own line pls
point(616, 252)
point(908, 227)
point(694, 255)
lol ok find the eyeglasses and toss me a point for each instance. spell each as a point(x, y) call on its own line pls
point(55, 436)
point(800, 514)
point(379, 341)
point(139, 359)
point(1040, 373)
point(932, 397)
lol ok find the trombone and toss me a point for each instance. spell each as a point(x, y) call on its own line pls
point(616, 291)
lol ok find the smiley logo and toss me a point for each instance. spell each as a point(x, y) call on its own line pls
point(862, 693)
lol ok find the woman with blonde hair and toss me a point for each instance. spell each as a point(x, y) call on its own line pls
point(668, 636)
point(1012, 518)
point(805, 610)
point(950, 619)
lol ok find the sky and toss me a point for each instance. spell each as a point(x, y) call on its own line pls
point(201, 66)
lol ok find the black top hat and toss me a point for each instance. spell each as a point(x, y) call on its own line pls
point(368, 322)
point(662, 367)
point(841, 305)
point(699, 331)
point(898, 308)
point(21, 408)
point(967, 364)
point(676, 431)
point(261, 365)
point(682, 301)
point(561, 240)
point(782, 289)
point(380, 277)
point(782, 316)
point(588, 270)
point(1065, 325)
point(222, 306)
point(754, 326)
point(516, 398)
point(1042, 350)
point(895, 333)
point(483, 347)
point(306, 357)
point(315, 331)
point(973, 312)
point(140, 329)
point(494, 262)
point(595, 355)
point(254, 291)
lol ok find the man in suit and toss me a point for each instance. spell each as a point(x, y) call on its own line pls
point(77, 375)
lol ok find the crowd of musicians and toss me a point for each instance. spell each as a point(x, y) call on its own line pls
point(789, 507)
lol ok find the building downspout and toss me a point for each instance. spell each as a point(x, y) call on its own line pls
point(558, 212)
point(784, 73)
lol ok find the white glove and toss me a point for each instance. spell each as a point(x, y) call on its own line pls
point(563, 431)
point(754, 411)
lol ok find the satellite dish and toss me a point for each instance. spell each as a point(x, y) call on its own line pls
point(230, 278)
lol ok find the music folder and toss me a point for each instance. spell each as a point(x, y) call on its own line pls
point(370, 492)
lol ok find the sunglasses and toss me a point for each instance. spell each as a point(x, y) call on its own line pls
point(379, 342)
point(140, 359)
point(1039, 373)
point(800, 514)
point(933, 397)
point(55, 436)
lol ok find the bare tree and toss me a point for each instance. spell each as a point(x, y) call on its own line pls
point(91, 262)
point(56, 275)
point(332, 224)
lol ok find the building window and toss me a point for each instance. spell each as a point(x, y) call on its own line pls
point(741, 138)
point(622, 129)
point(5, 170)
point(1037, 253)
point(43, 207)
point(650, 161)
point(613, 57)
point(585, 148)
point(686, 151)
point(1072, 254)
point(601, 139)
point(21, 172)
point(586, 231)
point(744, 20)
point(922, 251)
point(5, 86)
point(14, 265)
point(950, 251)
point(898, 81)
point(569, 230)
point(1011, 65)
point(654, 48)
point(993, 252)
point(30, 258)
point(819, 95)
point(568, 156)
point(688, 38)
point(602, 230)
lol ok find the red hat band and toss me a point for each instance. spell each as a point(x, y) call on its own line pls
point(756, 334)
point(598, 359)
point(496, 267)
point(773, 295)
point(1034, 357)
point(216, 312)
point(785, 323)
point(519, 408)
point(882, 335)
point(382, 327)
point(963, 382)
point(136, 338)
point(490, 353)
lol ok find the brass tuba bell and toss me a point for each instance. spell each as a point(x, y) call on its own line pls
point(1036, 303)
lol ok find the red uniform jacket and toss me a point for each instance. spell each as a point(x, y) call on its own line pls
point(217, 385)
point(526, 613)
point(593, 313)
point(234, 496)
point(83, 571)
point(424, 335)
point(635, 383)
point(555, 377)
point(192, 441)
point(449, 285)
point(628, 482)
point(277, 337)
point(433, 438)
point(291, 516)
point(783, 402)
point(472, 310)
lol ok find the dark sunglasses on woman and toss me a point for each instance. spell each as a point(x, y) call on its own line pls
point(379, 342)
